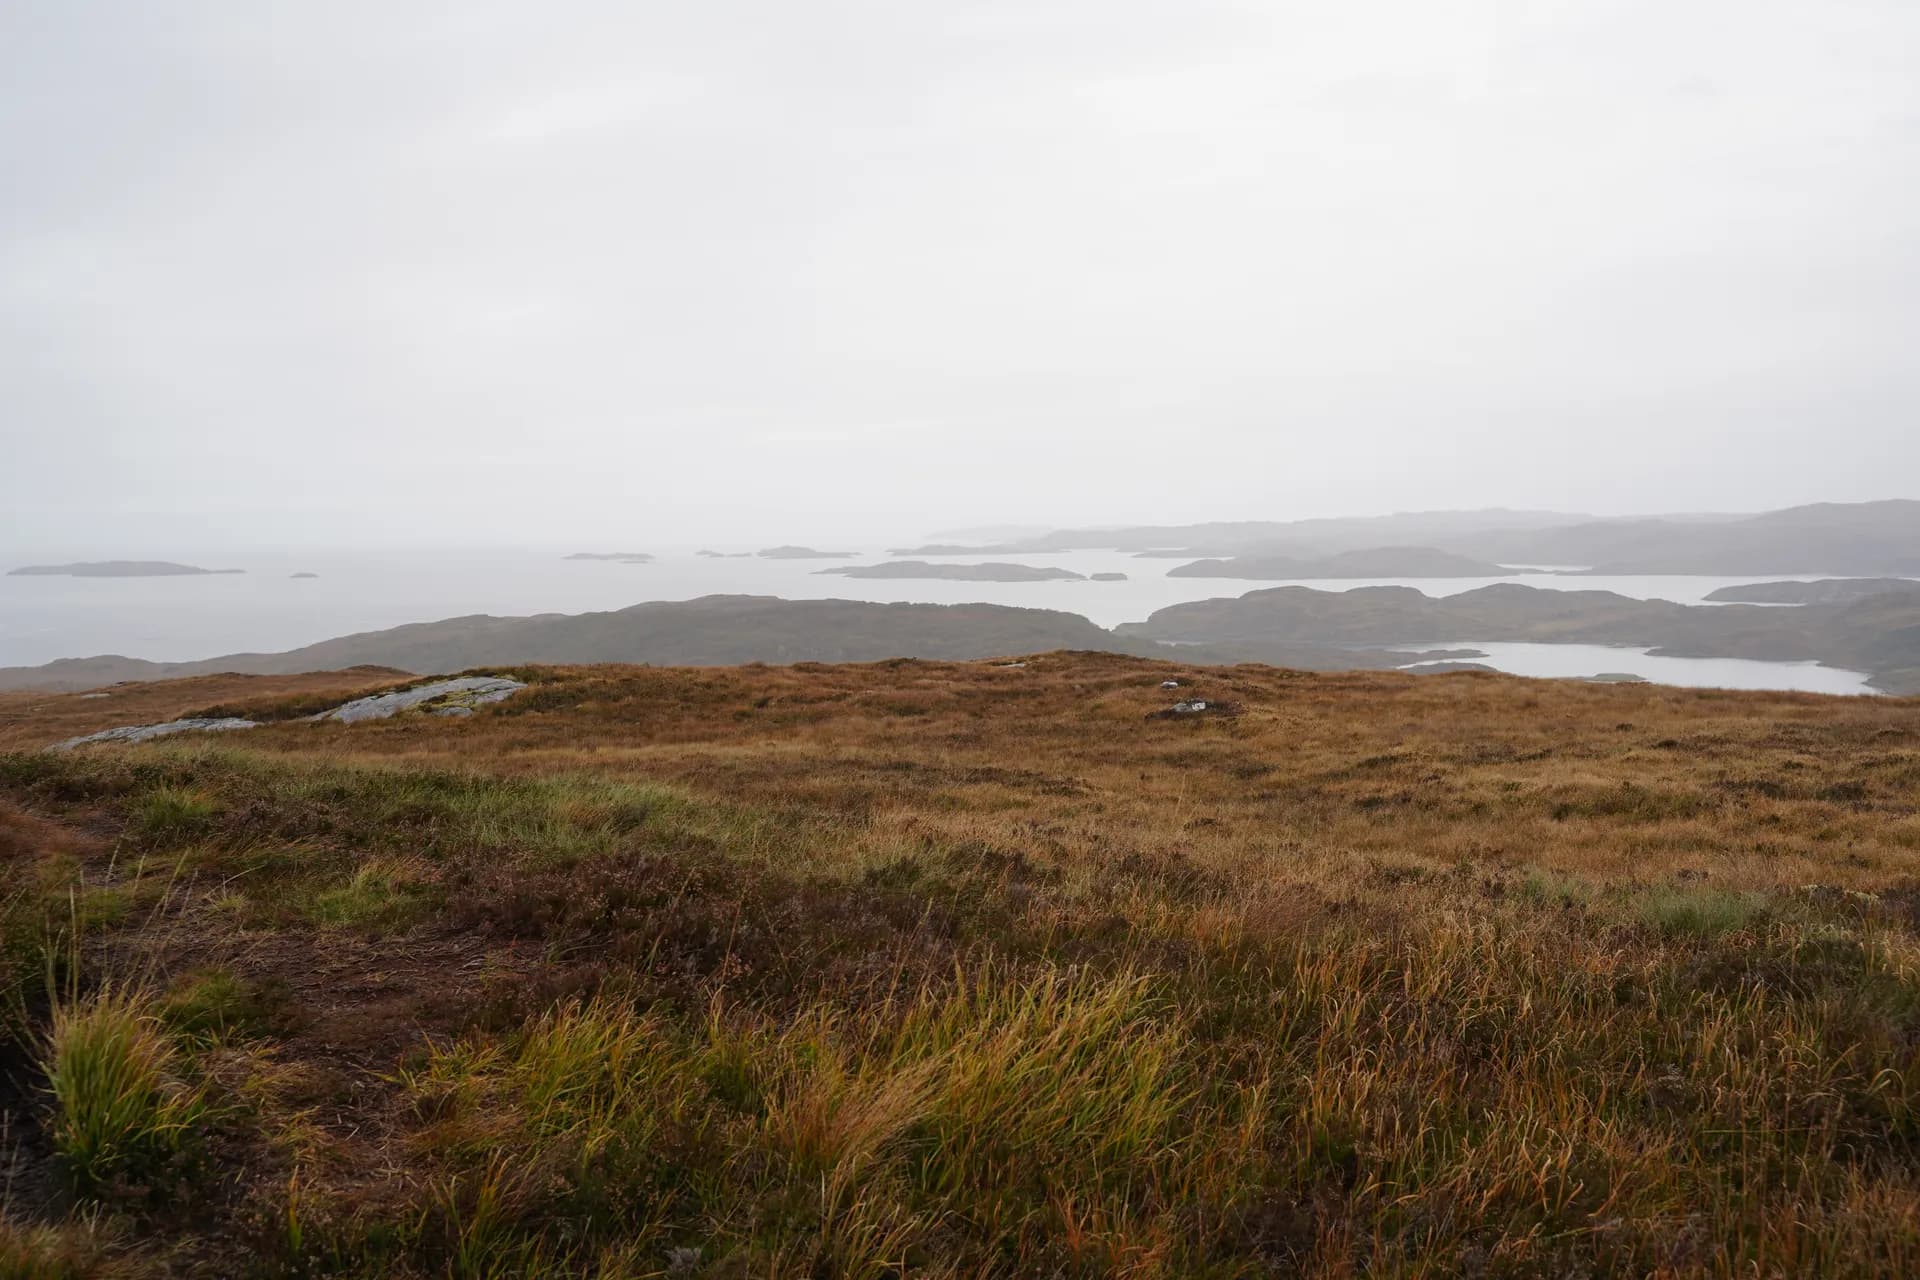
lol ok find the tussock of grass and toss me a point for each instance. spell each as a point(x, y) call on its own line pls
point(378, 892)
point(1550, 888)
point(121, 1112)
point(170, 813)
point(68, 1252)
point(212, 1006)
point(1699, 912)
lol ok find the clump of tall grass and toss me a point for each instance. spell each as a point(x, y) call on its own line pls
point(1060, 1120)
point(122, 1113)
point(1696, 912)
point(212, 1006)
point(379, 891)
point(172, 813)
point(45, 1252)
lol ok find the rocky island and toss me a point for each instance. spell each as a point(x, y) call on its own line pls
point(991, 572)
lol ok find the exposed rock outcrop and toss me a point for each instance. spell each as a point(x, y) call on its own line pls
point(441, 698)
point(147, 732)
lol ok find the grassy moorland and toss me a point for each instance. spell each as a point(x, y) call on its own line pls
point(939, 969)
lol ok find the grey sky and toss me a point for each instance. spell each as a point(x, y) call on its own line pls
point(357, 272)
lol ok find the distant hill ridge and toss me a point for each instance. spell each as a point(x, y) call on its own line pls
point(1852, 539)
point(1382, 562)
point(1825, 591)
point(710, 631)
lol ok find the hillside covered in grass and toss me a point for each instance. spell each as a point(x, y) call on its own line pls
point(963, 969)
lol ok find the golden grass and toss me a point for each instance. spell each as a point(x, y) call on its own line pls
point(922, 969)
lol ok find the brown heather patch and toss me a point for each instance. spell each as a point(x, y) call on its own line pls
point(925, 968)
point(31, 719)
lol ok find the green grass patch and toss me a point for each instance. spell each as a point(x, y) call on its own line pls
point(215, 1005)
point(102, 906)
point(171, 813)
point(122, 1112)
point(1701, 913)
point(235, 801)
point(1553, 889)
point(378, 894)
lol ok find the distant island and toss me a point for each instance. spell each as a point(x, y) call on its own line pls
point(620, 557)
point(723, 555)
point(804, 553)
point(938, 549)
point(1378, 562)
point(992, 572)
point(116, 569)
point(1825, 591)
point(1879, 635)
point(1107, 577)
point(303, 575)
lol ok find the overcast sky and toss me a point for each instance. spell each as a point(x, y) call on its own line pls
point(299, 273)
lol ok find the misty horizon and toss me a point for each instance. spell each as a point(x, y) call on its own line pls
point(477, 275)
point(858, 536)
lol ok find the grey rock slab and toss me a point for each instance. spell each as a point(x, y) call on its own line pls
point(145, 732)
point(443, 697)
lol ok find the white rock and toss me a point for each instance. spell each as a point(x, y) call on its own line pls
point(449, 697)
point(144, 732)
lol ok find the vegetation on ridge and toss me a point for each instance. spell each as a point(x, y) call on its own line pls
point(959, 969)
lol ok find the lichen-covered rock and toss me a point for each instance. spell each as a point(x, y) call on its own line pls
point(144, 732)
point(443, 697)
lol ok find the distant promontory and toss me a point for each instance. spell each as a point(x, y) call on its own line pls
point(1826, 591)
point(1380, 562)
point(116, 569)
point(991, 572)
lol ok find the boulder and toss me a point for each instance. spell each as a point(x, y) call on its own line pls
point(442, 697)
